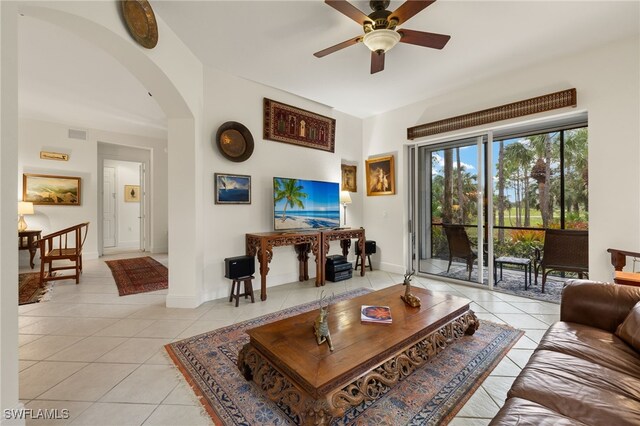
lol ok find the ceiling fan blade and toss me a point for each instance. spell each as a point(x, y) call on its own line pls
point(348, 10)
point(421, 38)
point(377, 62)
point(337, 47)
point(409, 9)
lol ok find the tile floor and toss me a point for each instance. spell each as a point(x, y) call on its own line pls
point(101, 356)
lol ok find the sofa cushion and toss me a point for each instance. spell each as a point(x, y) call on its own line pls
point(579, 389)
point(521, 412)
point(629, 330)
point(592, 344)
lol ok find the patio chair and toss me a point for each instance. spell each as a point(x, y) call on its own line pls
point(65, 245)
point(563, 251)
point(459, 245)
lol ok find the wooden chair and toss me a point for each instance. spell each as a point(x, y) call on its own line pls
point(564, 250)
point(65, 245)
point(459, 245)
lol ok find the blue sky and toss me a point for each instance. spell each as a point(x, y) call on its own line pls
point(322, 196)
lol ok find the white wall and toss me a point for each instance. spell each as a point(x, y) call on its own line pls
point(228, 98)
point(608, 88)
point(36, 135)
point(127, 213)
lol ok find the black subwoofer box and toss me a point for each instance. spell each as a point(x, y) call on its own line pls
point(340, 275)
point(239, 266)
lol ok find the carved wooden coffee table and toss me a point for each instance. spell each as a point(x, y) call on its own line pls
point(284, 359)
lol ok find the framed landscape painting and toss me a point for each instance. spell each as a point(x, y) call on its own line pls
point(51, 190)
point(232, 189)
point(380, 176)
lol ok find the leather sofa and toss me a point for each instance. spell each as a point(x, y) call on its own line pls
point(581, 373)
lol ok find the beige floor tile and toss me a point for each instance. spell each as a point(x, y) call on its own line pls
point(127, 327)
point(520, 356)
point(25, 364)
point(161, 358)
point(537, 307)
point(46, 346)
point(486, 316)
point(507, 368)
point(149, 384)
point(480, 405)
point(182, 394)
point(499, 307)
point(23, 339)
point(165, 328)
point(134, 350)
point(66, 411)
point(184, 415)
point(469, 421)
point(199, 327)
point(523, 321)
point(95, 310)
point(535, 335)
point(525, 343)
point(91, 383)
point(161, 312)
point(497, 388)
point(88, 349)
point(547, 318)
point(24, 320)
point(68, 326)
point(113, 414)
point(44, 375)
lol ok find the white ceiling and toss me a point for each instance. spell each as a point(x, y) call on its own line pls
point(272, 42)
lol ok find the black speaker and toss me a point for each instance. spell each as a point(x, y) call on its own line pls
point(369, 247)
point(239, 266)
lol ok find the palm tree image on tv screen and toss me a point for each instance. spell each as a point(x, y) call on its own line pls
point(305, 204)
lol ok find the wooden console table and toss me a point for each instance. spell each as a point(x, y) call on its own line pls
point(619, 261)
point(344, 236)
point(27, 241)
point(261, 245)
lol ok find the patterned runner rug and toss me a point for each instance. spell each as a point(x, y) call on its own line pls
point(29, 288)
point(432, 395)
point(139, 275)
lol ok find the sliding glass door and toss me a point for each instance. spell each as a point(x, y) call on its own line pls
point(450, 207)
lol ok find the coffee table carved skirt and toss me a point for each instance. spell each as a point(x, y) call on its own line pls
point(318, 385)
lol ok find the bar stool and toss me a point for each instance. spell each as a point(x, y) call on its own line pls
point(369, 249)
point(248, 288)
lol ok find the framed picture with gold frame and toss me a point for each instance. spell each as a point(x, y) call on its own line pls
point(50, 190)
point(380, 173)
point(132, 193)
point(349, 178)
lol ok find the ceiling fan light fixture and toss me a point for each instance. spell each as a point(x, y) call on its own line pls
point(383, 40)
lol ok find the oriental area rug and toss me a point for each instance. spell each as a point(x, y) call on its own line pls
point(432, 395)
point(30, 289)
point(139, 275)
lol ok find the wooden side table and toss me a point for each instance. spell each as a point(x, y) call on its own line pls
point(27, 241)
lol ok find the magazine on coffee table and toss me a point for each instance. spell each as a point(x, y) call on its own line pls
point(375, 314)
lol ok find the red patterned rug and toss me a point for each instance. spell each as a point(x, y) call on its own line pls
point(139, 275)
point(432, 395)
point(29, 288)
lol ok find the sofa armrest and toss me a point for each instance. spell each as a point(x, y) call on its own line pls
point(596, 304)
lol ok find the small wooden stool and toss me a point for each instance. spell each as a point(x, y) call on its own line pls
point(248, 289)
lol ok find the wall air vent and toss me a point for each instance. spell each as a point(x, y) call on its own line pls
point(77, 134)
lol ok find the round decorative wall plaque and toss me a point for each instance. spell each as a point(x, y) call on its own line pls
point(141, 22)
point(234, 141)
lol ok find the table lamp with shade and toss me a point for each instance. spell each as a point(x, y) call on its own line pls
point(345, 198)
point(24, 207)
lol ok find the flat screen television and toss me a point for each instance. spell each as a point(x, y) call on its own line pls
point(305, 204)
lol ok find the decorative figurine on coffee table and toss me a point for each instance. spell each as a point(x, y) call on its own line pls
point(321, 326)
point(408, 298)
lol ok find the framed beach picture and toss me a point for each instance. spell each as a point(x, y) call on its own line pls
point(380, 174)
point(349, 181)
point(132, 193)
point(51, 190)
point(232, 189)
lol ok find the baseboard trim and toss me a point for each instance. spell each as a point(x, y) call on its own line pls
point(391, 267)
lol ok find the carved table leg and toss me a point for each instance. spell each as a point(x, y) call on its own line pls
point(345, 245)
point(303, 260)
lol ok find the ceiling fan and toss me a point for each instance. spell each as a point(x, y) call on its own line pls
point(380, 33)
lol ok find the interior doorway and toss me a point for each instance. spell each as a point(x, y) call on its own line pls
point(123, 206)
